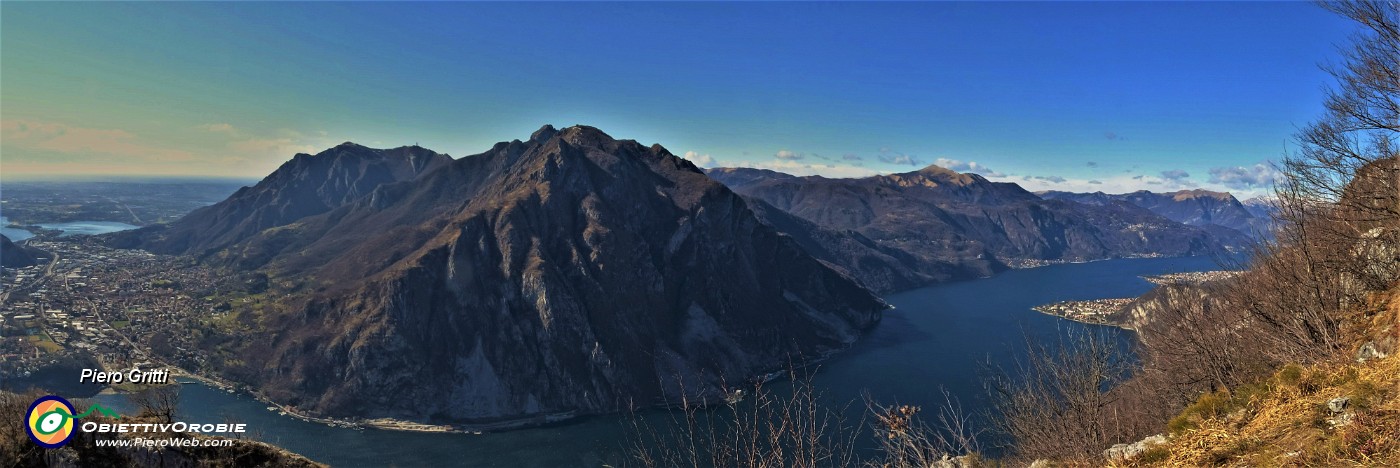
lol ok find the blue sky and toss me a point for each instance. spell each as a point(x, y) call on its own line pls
point(1051, 95)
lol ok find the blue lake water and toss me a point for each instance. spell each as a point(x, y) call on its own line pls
point(15, 234)
point(934, 338)
point(87, 227)
point(68, 228)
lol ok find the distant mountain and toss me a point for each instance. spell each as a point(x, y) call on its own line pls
point(13, 255)
point(568, 273)
point(739, 178)
point(878, 267)
point(963, 223)
point(305, 186)
point(1261, 207)
point(1193, 207)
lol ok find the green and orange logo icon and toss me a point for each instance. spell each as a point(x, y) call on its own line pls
point(50, 421)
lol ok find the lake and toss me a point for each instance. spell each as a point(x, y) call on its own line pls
point(68, 228)
point(933, 338)
point(87, 227)
point(15, 234)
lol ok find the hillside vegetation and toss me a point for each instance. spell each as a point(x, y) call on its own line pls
point(1289, 363)
point(1325, 414)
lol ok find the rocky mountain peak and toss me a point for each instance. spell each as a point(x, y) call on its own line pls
point(571, 273)
point(935, 175)
point(936, 170)
point(304, 186)
point(543, 134)
point(349, 144)
point(586, 136)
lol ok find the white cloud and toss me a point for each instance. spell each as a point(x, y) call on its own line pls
point(702, 160)
point(804, 169)
point(966, 166)
point(901, 158)
point(1121, 183)
point(1177, 175)
point(1257, 177)
point(1045, 179)
point(789, 155)
point(91, 143)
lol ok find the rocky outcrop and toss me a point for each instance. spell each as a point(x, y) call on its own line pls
point(1120, 453)
point(568, 274)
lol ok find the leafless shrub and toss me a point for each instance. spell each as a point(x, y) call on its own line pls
point(14, 440)
point(1345, 167)
point(903, 439)
point(772, 428)
point(1057, 403)
point(1339, 191)
point(158, 402)
point(761, 429)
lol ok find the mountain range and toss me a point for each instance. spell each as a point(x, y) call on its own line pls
point(946, 225)
point(574, 273)
point(1193, 207)
point(569, 273)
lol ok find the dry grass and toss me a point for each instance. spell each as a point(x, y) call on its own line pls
point(1284, 420)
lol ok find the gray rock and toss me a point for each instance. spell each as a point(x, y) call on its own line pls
point(1118, 452)
point(1338, 405)
point(954, 462)
point(1341, 420)
point(1368, 352)
point(1125, 452)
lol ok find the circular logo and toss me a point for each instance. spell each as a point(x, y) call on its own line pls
point(50, 421)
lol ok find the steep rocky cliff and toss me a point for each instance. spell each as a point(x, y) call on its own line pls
point(568, 273)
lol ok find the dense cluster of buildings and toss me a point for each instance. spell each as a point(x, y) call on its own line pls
point(1097, 311)
point(108, 303)
point(1191, 277)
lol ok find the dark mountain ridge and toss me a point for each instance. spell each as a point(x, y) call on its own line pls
point(13, 255)
point(571, 273)
point(963, 224)
point(304, 186)
point(1194, 207)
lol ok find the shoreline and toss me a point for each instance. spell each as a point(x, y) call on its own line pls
point(391, 424)
point(1089, 312)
